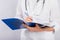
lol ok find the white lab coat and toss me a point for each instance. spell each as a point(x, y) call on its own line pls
point(40, 13)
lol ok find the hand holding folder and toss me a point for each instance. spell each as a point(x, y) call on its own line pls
point(15, 23)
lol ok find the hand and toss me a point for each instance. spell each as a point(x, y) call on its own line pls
point(33, 29)
point(49, 29)
point(28, 19)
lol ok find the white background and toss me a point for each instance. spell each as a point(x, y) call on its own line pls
point(7, 10)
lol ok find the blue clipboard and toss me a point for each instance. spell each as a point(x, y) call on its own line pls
point(13, 23)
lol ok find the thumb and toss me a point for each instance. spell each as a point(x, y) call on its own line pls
point(26, 26)
point(37, 26)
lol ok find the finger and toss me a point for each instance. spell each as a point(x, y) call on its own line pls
point(37, 26)
point(26, 26)
point(29, 18)
point(29, 28)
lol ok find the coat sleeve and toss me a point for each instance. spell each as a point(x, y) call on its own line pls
point(55, 14)
point(20, 10)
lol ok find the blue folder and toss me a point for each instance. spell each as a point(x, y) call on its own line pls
point(15, 23)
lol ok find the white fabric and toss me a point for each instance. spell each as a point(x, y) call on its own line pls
point(39, 14)
point(27, 35)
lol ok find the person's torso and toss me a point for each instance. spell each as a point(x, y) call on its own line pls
point(40, 11)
